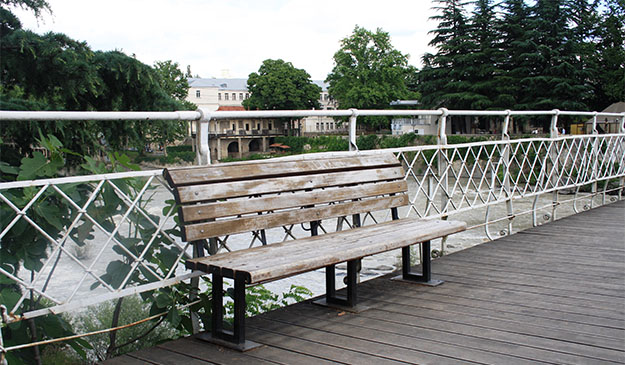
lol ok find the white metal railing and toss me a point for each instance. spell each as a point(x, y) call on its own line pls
point(118, 236)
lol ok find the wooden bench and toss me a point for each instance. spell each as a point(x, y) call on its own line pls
point(227, 199)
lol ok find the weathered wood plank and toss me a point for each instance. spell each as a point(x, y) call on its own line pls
point(590, 325)
point(532, 334)
point(527, 346)
point(220, 209)
point(404, 347)
point(405, 325)
point(293, 216)
point(267, 169)
point(161, 356)
point(198, 193)
point(384, 353)
point(124, 360)
point(333, 351)
point(192, 347)
point(330, 249)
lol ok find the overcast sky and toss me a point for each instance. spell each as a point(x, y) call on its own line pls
point(231, 38)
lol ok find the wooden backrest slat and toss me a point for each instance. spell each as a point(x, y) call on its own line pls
point(322, 179)
point(268, 169)
point(205, 230)
point(197, 212)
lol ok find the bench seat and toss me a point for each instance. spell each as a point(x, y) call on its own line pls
point(256, 196)
point(279, 260)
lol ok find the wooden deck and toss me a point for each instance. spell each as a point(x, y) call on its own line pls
point(551, 294)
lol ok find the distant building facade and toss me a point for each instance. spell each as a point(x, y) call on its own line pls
point(241, 137)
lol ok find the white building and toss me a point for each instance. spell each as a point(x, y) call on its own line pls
point(422, 124)
point(213, 93)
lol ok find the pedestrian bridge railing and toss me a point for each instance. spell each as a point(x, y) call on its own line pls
point(99, 237)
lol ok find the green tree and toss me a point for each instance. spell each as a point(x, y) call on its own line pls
point(553, 81)
point(278, 85)
point(610, 55)
point(172, 80)
point(516, 48)
point(369, 73)
point(444, 77)
point(484, 59)
point(36, 6)
point(54, 72)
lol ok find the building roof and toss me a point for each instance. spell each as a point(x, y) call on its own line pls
point(235, 84)
point(230, 108)
point(614, 108)
point(222, 84)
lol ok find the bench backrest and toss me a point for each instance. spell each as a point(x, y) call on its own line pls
point(225, 199)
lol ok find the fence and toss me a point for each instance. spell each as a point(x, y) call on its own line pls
point(117, 236)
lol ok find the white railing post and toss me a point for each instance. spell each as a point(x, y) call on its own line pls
point(352, 130)
point(622, 179)
point(595, 156)
point(442, 168)
point(201, 138)
point(556, 163)
point(505, 136)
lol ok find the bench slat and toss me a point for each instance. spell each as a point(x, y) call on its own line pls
point(199, 231)
point(231, 259)
point(289, 258)
point(198, 212)
point(266, 169)
point(197, 193)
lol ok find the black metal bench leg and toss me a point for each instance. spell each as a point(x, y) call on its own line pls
point(350, 301)
point(423, 278)
point(234, 339)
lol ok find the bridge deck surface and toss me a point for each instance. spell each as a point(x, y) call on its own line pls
point(550, 294)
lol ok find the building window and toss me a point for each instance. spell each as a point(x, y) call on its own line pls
point(270, 126)
point(326, 97)
point(317, 126)
point(240, 96)
point(234, 96)
point(218, 96)
point(197, 93)
point(234, 127)
point(247, 95)
point(258, 126)
point(247, 125)
point(226, 96)
point(328, 126)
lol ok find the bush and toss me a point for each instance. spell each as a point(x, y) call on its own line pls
point(180, 148)
point(367, 142)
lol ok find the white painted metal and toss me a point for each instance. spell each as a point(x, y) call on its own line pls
point(451, 179)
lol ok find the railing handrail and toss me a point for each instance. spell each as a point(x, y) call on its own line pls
point(596, 158)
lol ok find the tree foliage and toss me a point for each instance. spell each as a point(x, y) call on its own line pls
point(278, 85)
point(54, 72)
point(566, 54)
point(369, 72)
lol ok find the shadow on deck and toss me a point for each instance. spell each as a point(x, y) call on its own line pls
point(551, 294)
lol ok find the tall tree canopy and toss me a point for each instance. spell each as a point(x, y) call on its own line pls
point(566, 54)
point(279, 85)
point(54, 72)
point(369, 72)
point(444, 77)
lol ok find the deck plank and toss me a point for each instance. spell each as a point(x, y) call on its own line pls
point(550, 294)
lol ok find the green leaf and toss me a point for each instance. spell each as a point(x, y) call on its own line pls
point(163, 300)
point(39, 166)
point(173, 317)
point(8, 169)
